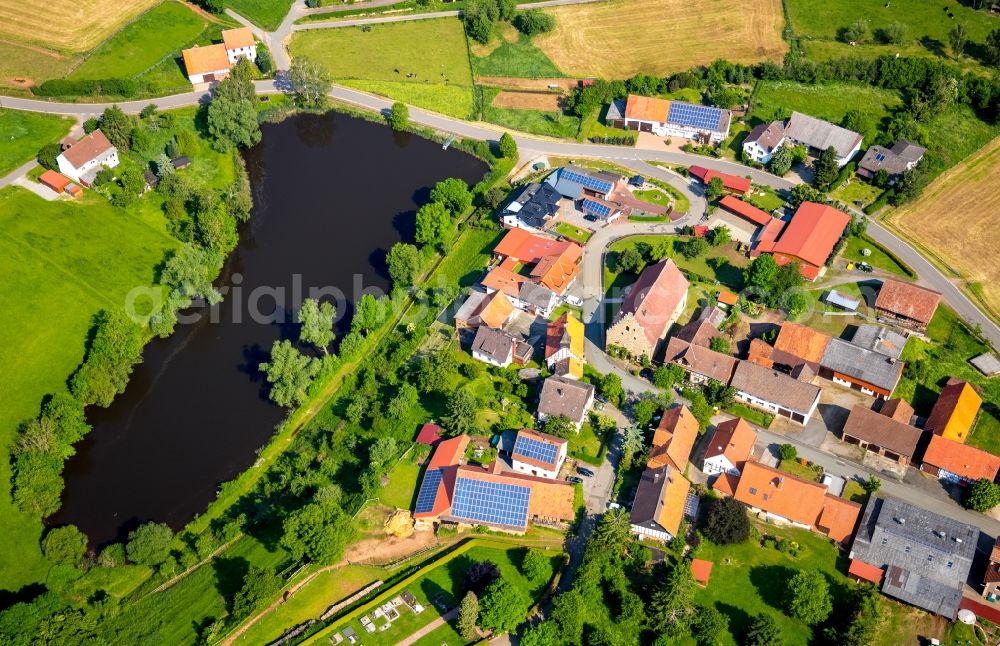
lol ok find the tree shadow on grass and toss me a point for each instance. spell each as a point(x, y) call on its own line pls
point(229, 575)
point(771, 582)
point(739, 619)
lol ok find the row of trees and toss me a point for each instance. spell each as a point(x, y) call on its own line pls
point(480, 18)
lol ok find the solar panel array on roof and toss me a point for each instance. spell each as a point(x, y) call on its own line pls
point(596, 208)
point(428, 491)
point(879, 157)
point(491, 502)
point(529, 447)
point(695, 116)
point(587, 181)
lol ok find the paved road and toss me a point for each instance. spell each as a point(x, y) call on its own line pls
point(626, 156)
point(17, 173)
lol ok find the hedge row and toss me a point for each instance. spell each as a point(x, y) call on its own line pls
point(126, 88)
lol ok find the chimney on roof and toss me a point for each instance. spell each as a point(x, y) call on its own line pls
point(958, 540)
point(781, 481)
point(901, 520)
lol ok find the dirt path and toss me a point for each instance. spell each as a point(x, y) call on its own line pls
point(429, 628)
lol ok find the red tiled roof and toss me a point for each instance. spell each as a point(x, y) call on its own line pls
point(865, 571)
point(674, 439)
point(801, 341)
point(449, 452)
point(430, 434)
point(744, 210)
point(965, 461)
point(654, 297)
point(56, 181)
point(734, 439)
point(730, 182)
point(838, 517)
point(647, 108)
point(529, 248)
point(504, 280)
point(701, 570)
point(810, 236)
point(558, 270)
point(906, 299)
point(90, 147)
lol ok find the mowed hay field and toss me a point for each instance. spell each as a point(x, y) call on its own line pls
point(67, 25)
point(619, 38)
point(958, 220)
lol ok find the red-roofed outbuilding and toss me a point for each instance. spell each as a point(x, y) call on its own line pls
point(430, 434)
point(732, 183)
point(808, 239)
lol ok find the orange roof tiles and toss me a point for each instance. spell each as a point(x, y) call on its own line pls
point(202, 60)
point(56, 181)
point(726, 297)
point(744, 210)
point(701, 570)
point(449, 452)
point(838, 517)
point(504, 280)
point(964, 461)
point(801, 341)
point(529, 248)
point(730, 182)
point(726, 483)
point(867, 572)
point(647, 108)
point(237, 38)
point(955, 410)
point(673, 440)
point(897, 409)
point(810, 236)
point(796, 499)
point(497, 310)
point(558, 271)
point(906, 299)
point(671, 512)
point(734, 439)
point(654, 297)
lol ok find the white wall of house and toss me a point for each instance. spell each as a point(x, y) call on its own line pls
point(646, 532)
point(218, 75)
point(485, 358)
point(541, 472)
point(778, 409)
point(719, 464)
point(756, 152)
point(512, 221)
point(242, 52)
point(109, 159)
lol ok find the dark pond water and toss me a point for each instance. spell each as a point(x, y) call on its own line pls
point(332, 193)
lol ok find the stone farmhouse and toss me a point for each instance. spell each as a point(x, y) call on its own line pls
point(653, 304)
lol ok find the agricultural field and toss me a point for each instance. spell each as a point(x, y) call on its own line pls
point(957, 220)
point(263, 13)
point(62, 261)
point(511, 54)
point(777, 100)
point(619, 38)
point(143, 43)
point(30, 64)
point(67, 25)
point(424, 62)
point(23, 133)
point(927, 26)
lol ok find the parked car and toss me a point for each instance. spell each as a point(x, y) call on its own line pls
point(575, 480)
point(585, 472)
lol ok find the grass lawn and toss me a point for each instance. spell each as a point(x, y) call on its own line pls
point(539, 122)
point(777, 100)
point(442, 584)
point(729, 273)
point(23, 133)
point(947, 354)
point(567, 230)
point(586, 446)
point(803, 471)
point(927, 26)
point(143, 43)
point(758, 417)
point(32, 63)
point(61, 261)
point(653, 196)
point(855, 190)
point(402, 487)
point(854, 492)
point(877, 258)
point(434, 51)
point(263, 13)
point(518, 58)
point(593, 126)
point(764, 198)
point(312, 601)
point(117, 581)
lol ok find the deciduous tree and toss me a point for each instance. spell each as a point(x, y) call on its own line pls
point(503, 606)
point(290, 374)
point(259, 585)
point(982, 495)
point(65, 545)
point(715, 188)
point(318, 532)
point(310, 83)
point(725, 522)
point(317, 323)
point(149, 544)
point(368, 314)
point(468, 616)
point(809, 597)
point(629, 261)
point(399, 116)
point(404, 264)
point(508, 147)
point(454, 194)
point(434, 224)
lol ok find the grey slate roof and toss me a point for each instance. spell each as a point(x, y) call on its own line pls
point(649, 498)
point(616, 110)
point(842, 300)
point(565, 396)
point(820, 134)
point(767, 135)
point(775, 387)
point(536, 294)
point(535, 204)
point(496, 344)
point(862, 364)
point(880, 339)
point(986, 363)
point(927, 557)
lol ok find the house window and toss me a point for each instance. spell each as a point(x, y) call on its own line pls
point(950, 563)
point(885, 540)
point(766, 497)
point(753, 491)
point(907, 549)
point(930, 558)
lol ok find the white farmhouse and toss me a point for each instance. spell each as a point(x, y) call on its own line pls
point(84, 159)
point(213, 63)
point(538, 454)
point(239, 44)
point(730, 447)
